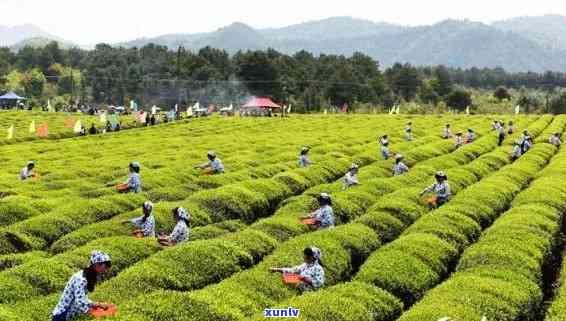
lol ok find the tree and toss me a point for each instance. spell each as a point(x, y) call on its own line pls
point(33, 82)
point(557, 104)
point(502, 93)
point(443, 84)
point(258, 72)
point(459, 99)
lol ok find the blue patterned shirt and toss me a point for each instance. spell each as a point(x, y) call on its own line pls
point(74, 300)
point(134, 183)
point(314, 272)
point(216, 165)
point(180, 233)
point(324, 216)
point(148, 227)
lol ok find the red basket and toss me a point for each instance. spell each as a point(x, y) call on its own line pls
point(290, 278)
point(122, 188)
point(98, 313)
point(308, 221)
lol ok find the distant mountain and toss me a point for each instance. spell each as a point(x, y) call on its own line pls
point(453, 43)
point(39, 42)
point(331, 28)
point(548, 31)
point(10, 36)
point(231, 38)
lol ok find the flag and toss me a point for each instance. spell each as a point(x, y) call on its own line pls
point(10, 132)
point(517, 109)
point(32, 127)
point(43, 130)
point(468, 110)
point(78, 127)
point(133, 105)
point(70, 122)
point(103, 118)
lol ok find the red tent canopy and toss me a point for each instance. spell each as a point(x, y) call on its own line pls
point(261, 102)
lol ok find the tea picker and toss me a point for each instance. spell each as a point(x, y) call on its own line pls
point(145, 224)
point(308, 276)
point(133, 184)
point(323, 217)
point(555, 139)
point(213, 166)
point(27, 171)
point(399, 168)
point(516, 152)
point(304, 160)
point(351, 178)
point(409, 132)
point(440, 189)
point(384, 142)
point(500, 135)
point(470, 136)
point(459, 141)
point(181, 230)
point(74, 301)
point(447, 133)
point(526, 141)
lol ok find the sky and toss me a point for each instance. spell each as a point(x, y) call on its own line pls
point(93, 21)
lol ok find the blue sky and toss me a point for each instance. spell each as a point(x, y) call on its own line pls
point(87, 22)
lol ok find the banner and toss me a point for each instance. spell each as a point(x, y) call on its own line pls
point(43, 130)
point(78, 127)
point(70, 122)
point(10, 132)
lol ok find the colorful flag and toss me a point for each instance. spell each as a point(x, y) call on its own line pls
point(10, 132)
point(517, 109)
point(43, 130)
point(70, 122)
point(32, 127)
point(78, 127)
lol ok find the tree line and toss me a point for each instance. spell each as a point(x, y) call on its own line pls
point(155, 74)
